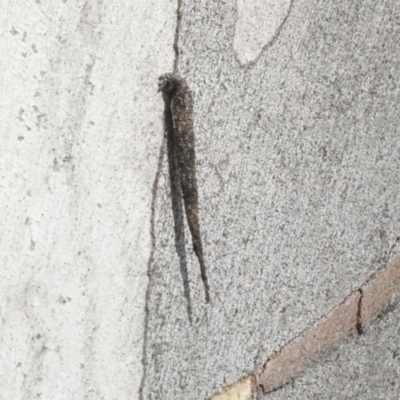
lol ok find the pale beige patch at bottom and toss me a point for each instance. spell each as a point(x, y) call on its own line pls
point(243, 389)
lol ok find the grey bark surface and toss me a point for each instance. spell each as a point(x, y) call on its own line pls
point(298, 160)
point(80, 132)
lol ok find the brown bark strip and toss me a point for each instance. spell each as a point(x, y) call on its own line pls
point(382, 287)
point(360, 305)
point(293, 357)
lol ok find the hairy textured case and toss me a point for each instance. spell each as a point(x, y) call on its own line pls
point(179, 123)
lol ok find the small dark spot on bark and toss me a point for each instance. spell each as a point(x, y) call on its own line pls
point(387, 310)
point(56, 166)
point(39, 119)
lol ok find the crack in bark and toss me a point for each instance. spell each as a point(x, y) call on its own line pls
point(359, 326)
point(392, 248)
point(152, 217)
point(176, 38)
point(152, 250)
point(271, 41)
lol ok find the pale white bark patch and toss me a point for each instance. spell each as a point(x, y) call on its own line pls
point(80, 133)
point(258, 22)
